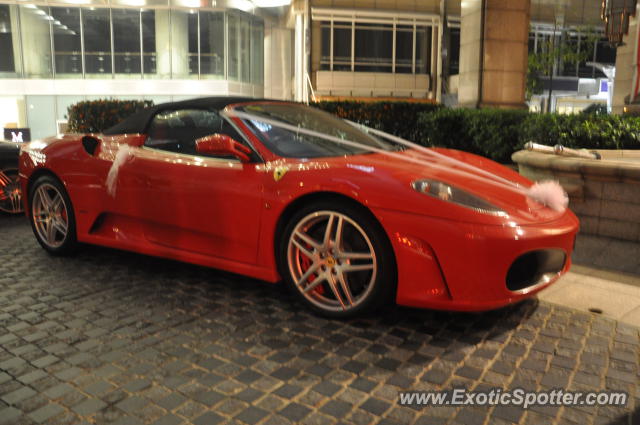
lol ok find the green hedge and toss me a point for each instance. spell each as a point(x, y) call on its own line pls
point(588, 131)
point(493, 133)
point(497, 133)
point(95, 116)
point(397, 118)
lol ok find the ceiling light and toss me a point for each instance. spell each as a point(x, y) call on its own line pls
point(271, 3)
point(134, 2)
point(244, 5)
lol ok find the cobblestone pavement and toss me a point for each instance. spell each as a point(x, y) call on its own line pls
point(113, 337)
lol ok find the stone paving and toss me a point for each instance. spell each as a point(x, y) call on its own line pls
point(113, 337)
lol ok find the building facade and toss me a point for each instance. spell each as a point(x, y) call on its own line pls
point(54, 53)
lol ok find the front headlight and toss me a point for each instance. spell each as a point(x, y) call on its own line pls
point(446, 192)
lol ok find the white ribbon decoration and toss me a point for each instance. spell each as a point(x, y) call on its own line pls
point(548, 192)
point(124, 152)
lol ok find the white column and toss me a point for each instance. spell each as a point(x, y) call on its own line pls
point(436, 62)
point(172, 43)
point(36, 43)
point(15, 38)
point(300, 59)
point(626, 67)
point(277, 62)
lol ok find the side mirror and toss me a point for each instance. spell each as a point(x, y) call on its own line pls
point(221, 144)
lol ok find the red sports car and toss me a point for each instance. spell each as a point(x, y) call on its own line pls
point(254, 187)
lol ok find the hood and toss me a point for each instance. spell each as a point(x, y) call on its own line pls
point(386, 182)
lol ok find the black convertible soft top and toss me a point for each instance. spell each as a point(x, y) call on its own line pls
point(138, 122)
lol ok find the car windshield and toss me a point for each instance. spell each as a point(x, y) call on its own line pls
point(295, 144)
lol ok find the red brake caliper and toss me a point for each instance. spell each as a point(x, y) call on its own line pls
point(306, 263)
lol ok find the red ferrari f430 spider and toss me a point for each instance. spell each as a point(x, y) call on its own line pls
point(282, 191)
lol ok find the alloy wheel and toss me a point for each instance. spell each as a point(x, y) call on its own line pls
point(50, 215)
point(332, 261)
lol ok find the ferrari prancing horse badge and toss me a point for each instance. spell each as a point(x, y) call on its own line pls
point(279, 173)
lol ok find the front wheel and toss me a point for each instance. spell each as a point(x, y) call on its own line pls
point(337, 259)
point(51, 216)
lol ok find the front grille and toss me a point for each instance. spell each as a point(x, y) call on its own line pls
point(533, 267)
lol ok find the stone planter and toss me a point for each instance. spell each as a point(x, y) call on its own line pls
point(605, 193)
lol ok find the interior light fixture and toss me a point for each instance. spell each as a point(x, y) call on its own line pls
point(244, 5)
point(271, 3)
point(78, 1)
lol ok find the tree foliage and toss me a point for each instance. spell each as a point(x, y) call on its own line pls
point(556, 51)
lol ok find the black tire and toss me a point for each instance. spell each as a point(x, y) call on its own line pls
point(61, 245)
point(367, 289)
point(7, 187)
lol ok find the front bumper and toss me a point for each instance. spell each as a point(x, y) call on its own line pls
point(444, 264)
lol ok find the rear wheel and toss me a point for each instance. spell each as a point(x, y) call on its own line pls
point(337, 259)
point(10, 191)
point(51, 216)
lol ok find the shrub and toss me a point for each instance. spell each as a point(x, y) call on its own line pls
point(494, 133)
point(497, 133)
point(397, 118)
point(95, 116)
point(583, 131)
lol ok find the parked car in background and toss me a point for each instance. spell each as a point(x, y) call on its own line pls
point(10, 192)
point(283, 191)
point(596, 109)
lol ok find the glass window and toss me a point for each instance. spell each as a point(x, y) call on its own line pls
point(11, 112)
point(63, 103)
point(7, 60)
point(373, 47)
point(325, 52)
point(532, 42)
point(36, 41)
point(454, 51)
point(212, 43)
point(404, 49)
point(193, 43)
point(423, 50)
point(297, 145)
point(342, 46)
point(40, 116)
point(97, 41)
point(605, 52)
point(571, 42)
point(257, 53)
point(126, 41)
point(177, 131)
point(234, 59)
point(245, 52)
point(66, 41)
point(178, 47)
point(149, 41)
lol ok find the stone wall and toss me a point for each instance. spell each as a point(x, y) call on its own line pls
point(604, 194)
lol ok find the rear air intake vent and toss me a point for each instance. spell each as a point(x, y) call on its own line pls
point(90, 144)
point(533, 267)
